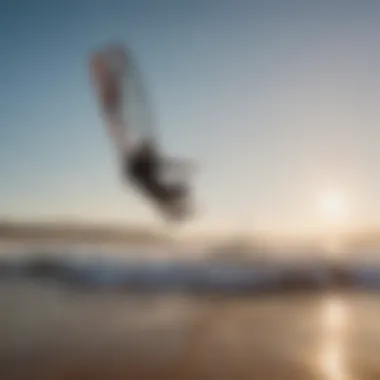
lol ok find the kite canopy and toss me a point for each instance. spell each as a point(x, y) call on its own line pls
point(120, 91)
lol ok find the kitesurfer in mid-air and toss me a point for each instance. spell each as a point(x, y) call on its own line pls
point(142, 163)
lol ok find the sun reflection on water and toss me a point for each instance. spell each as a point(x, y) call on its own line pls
point(331, 352)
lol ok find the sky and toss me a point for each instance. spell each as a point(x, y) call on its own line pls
point(275, 101)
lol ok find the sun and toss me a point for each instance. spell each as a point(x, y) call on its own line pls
point(332, 206)
point(333, 209)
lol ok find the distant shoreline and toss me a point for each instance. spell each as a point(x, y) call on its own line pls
point(76, 232)
point(83, 232)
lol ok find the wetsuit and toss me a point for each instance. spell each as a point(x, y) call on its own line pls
point(143, 168)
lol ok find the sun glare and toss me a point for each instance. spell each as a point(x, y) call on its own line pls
point(332, 206)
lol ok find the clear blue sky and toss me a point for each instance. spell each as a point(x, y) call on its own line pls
point(275, 100)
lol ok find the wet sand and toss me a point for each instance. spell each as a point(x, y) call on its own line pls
point(52, 332)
